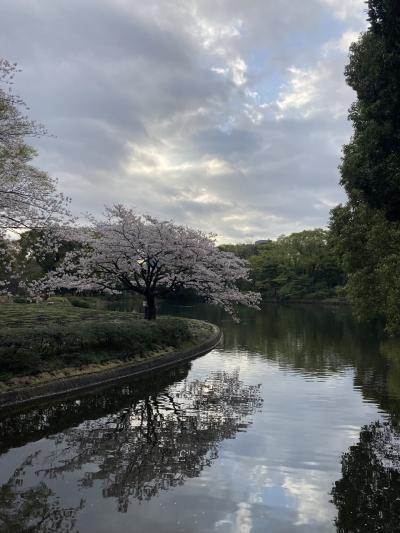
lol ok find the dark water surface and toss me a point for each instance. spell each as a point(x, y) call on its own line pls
point(292, 425)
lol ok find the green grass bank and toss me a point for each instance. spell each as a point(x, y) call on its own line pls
point(41, 342)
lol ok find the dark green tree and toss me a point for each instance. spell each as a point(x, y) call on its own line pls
point(36, 258)
point(366, 231)
point(297, 266)
point(371, 161)
point(368, 246)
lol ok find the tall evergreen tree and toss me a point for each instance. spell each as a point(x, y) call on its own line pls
point(366, 231)
point(371, 162)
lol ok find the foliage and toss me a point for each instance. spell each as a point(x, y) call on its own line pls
point(245, 251)
point(35, 258)
point(21, 300)
point(8, 276)
point(80, 302)
point(371, 162)
point(28, 258)
point(369, 248)
point(28, 196)
point(366, 231)
point(298, 266)
point(54, 337)
point(31, 256)
point(127, 252)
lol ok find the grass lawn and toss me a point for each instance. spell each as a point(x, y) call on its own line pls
point(43, 338)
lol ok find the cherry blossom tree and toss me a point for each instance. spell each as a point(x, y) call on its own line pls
point(29, 198)
point(130, 252)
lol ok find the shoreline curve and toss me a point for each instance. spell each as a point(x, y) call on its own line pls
point(64, 386)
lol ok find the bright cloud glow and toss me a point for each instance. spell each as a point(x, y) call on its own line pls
point(228, 116)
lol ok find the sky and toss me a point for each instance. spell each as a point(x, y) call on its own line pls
point(224, 115)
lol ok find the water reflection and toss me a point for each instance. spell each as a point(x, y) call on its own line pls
point(142, 446)
point(142, 451)
point(315, 341)
point(33, 423)
point(312, 339)
point(35, 508)
point(368, 494)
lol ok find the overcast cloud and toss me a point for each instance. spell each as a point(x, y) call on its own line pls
point(227, 115)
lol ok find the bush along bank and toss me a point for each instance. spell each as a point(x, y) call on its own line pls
point(39, 343)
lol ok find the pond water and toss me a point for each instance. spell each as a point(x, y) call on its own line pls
point(291, 425)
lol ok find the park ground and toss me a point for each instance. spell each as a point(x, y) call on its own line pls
point(45, 341)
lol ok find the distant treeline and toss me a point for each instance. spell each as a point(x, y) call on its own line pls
point(300, 266)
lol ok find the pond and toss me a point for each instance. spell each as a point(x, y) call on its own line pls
point(291, 425)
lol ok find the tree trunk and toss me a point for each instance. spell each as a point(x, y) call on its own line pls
point(150, 310)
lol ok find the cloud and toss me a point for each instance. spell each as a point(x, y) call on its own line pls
point(318, 90)
point(225, 116)
point(345, 9)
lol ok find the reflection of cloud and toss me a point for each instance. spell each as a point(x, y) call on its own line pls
point(311, 500)
point(239, 521)
point(260, 477)
point(243, 522)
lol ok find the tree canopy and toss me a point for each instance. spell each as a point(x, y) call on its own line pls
point(28, 196)
point(129, 252)
point(371, 161)
point(366, 231)
point(294, 267)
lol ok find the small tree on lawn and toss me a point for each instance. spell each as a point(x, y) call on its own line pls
point(138, 253)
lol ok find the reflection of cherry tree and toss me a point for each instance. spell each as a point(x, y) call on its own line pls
point(34, 423)
point(33, 509)
point(158, 442)
point(368, 495)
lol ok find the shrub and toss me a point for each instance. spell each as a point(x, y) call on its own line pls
point(41, 348)
point(20, 300)
point(80, 302)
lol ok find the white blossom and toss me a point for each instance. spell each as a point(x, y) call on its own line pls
point(29, 198)
point(130, 252)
